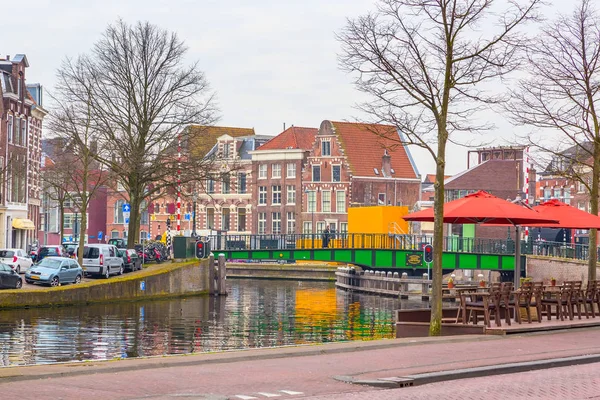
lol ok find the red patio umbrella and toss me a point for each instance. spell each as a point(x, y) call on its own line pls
point(568, 217)
point(482, 207)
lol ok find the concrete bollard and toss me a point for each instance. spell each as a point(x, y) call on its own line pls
point(212, 289)
point(403, 286)
point(396, 287)
point(425, 288)
point(222, 276)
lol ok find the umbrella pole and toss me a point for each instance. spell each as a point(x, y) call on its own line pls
point(517, 256)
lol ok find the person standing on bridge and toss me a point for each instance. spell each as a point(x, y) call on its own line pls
point(325, 237)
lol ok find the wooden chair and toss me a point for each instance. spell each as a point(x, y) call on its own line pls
point(576, 300)
point(561, 300)
point(590, 297)
point(537, 294)
point(523, 299)
point(474, 302)
point(509, 302)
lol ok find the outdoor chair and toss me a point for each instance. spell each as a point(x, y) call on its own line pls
point(537, 294)
point(576, 299)
point(561, 300)
point(509, 301)
point(523, 300)
point(590, 297)
point(474, 302)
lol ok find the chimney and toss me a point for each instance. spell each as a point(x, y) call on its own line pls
point(386, 164)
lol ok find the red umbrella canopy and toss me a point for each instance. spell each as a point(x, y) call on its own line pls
point(568, 217)
point(482, 207)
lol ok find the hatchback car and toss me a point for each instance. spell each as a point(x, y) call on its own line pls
point(45, 251)
point(9, 278)
point(54, 271)
point(131, 260)
point(17, 259)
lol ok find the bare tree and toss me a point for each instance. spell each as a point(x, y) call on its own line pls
point(425, 64)
point(54, 177)
point(561, 96)
point(141, 96)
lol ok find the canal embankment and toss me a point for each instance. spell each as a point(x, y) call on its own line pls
point(295, 271)
point(157, 281)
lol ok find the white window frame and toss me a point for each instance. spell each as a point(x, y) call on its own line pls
point(276, 194)
point(311, 201)
point(307, 227)
point(291, 195)
point(262, 195)
point(332, 175)
point(291, 170)
point(320, 226)
point(325, 144)
point(262, 171)
point(291, 222)
point(379, 201)
point(262, 223)
point(326, 201)
point(276, 222)
point(9, 128)
point(276, 171)
point(340, 201)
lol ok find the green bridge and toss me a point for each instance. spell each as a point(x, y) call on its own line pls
point(381, 252)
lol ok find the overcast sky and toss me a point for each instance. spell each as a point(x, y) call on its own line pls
point(270, 62)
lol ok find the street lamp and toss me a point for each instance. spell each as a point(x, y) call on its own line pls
point(195, 199)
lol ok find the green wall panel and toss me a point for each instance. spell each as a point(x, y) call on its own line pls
point(363, 257)
point(322, 255)
point(343, 255)
point(489, 261)
point(467, 261)
point(449, 261)
point(383, 258)
point(508, 262)
point(302, 255)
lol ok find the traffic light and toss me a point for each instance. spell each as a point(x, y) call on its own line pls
point(200, 249)
point(428, 253)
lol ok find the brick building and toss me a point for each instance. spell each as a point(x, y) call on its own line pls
point(353, 165)
point(20, 132)
point(277, 185)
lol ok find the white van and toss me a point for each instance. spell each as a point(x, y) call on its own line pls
point(101, 260)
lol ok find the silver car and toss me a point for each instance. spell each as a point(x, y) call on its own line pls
point(102, 260)
point(54, 271)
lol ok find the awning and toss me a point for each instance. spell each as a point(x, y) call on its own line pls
point(23, 223)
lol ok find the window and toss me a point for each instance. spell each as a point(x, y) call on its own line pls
point(340, 201)
point(241, 219)
point(210, 218)
point(262, 223)
point(320, 226)
point(114, 234)
point(291, 195)
point(276, 169)
point(226, 185)
point(226, 150)
point(276, 221)
point(291, 170)
point(9, 129)
point(325, 148)
point(291, 223)
point(242, 183)
point(276, 195)
point(336, 173)
point(23, 138)
point(580, 187)
point(326, 200)
point(381, 199)
point(210, 185)
point(143, 236)
point(343, 227)
point(120, 187)
point(118, 215)
point(312, 201)
point(262, 195)
point(307, 227)
point(316, 173)
point(225, 219)
point(567, 198)
point(17, 131)
point(557, 194)
point(262, 171)
point(581, 205)
point(547, 193)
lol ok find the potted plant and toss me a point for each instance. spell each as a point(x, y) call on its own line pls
point(450, 283)
point(482, 283)
point(552, 281)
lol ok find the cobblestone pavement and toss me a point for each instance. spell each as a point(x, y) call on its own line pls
point(565, 383)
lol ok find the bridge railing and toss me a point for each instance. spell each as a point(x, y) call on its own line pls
point(343, 240)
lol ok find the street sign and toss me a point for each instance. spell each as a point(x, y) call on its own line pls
point(148, 236)
point(187, 216)
point(126, 220)
point(126, 208)
point(99, 234)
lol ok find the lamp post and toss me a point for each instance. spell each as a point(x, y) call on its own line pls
point(194, 199)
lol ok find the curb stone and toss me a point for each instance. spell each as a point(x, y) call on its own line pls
point(441, 376)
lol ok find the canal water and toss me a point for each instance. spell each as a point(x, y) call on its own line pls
point(256, 313)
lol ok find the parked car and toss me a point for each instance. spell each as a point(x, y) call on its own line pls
point(17, 259)
point(54, 271)
point(9, 278)
point(45, 251)
point(120, 243)
point(102, 260)
point(131, 260)
point(70, 249)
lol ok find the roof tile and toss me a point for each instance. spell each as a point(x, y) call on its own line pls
point(292, 138)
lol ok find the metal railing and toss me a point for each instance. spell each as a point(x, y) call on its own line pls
point(395, 241)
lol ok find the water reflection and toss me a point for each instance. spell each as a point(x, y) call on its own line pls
point(255, 314)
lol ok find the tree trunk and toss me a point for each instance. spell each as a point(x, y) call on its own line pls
point(435, 327)
point(82, 230)
point(135, 200)
point(61, 211)
point(593, 245)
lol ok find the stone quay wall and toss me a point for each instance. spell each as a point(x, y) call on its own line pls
point(563, 269)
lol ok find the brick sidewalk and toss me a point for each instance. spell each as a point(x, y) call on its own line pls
point(309, 370)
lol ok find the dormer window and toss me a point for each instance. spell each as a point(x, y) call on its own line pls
point(226, 150)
